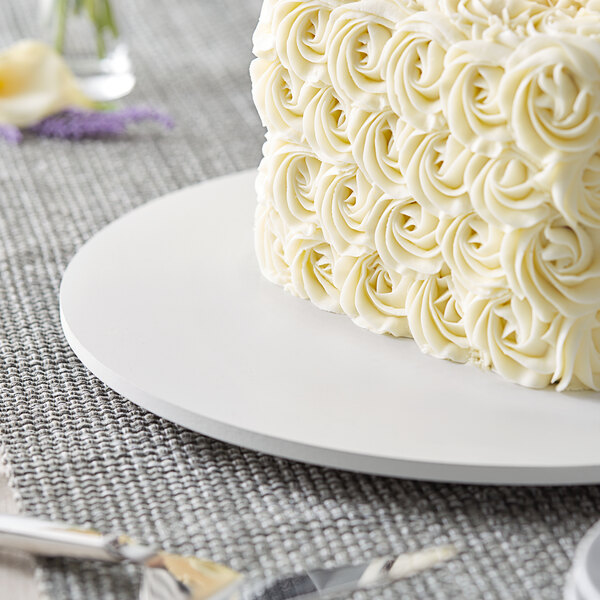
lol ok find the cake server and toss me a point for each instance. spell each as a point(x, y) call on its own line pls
point(173, 577)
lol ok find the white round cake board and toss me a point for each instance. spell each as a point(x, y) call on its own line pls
point(167, 306)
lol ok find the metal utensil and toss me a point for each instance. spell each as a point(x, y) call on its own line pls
point(173, 577)
point(309, 584)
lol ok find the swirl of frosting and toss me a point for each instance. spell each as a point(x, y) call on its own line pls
point(576, 190)
point(300, 39)
point(347, 204)
point(555, 266)
point(372, 296)
point(434, 165)
point(325, 126)
point(415, 63)
point(376, 140)
point(471, 12)
point(480, 15)
point(471, 248)
point(293, 183)
point(511, 339)
point(469, 91)
point(578, 354)
point(280, 97)
point(355, 44)
point(549, 95)
point(405, 238)
point(565, 16)
point(508, 191)
point(262, 39)
point(435, 318)
point(312, 262)
point(269, 243)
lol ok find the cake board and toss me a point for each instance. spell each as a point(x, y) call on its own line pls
point(167, 306)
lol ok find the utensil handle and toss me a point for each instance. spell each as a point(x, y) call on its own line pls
point(45, 538)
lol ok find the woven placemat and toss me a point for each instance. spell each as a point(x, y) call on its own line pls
point(80, 453)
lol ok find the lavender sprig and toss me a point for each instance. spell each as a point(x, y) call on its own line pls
point(77, 124)
point(10, 133)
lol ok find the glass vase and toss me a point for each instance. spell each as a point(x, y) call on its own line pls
point(88, 34)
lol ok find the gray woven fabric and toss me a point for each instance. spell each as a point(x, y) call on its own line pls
point(80, 453)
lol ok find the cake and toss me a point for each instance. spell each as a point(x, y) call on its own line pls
point(432, 170)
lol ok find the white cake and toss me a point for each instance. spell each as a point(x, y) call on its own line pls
point(432, 170)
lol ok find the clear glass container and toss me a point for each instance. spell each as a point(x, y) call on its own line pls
point(88, 34)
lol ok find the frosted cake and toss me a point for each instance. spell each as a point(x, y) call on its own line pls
point(432, 170)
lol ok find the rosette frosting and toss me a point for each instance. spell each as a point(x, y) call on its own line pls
point(325, 125)
point(576, 190)
point(347, 205)
point(511, 339)
point(405, 237)
point(471, 248)
point(578, 359)
point(355, 44)
point(435, 319)
point(549, 95)
point(472, 76)
point(555, 266)
point(293, 177)
point(432, 170)
point(281, 96)
point(414, 59)
point(376, 141)
point(312, 262)
point(300, 38)
point(508, 191)
point(371, 295)
point(270, 245)
point(435, 165)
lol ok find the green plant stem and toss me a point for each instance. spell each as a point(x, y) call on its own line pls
point(100, 41)
point(62, 6)
point(110, 19)
point(100, 15)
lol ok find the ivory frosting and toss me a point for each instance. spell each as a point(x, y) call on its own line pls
point(432, 170)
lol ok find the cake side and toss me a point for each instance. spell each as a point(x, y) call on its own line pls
point(432, 170)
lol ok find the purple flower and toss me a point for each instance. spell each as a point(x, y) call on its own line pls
point(78, 124)
point(10, 133)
